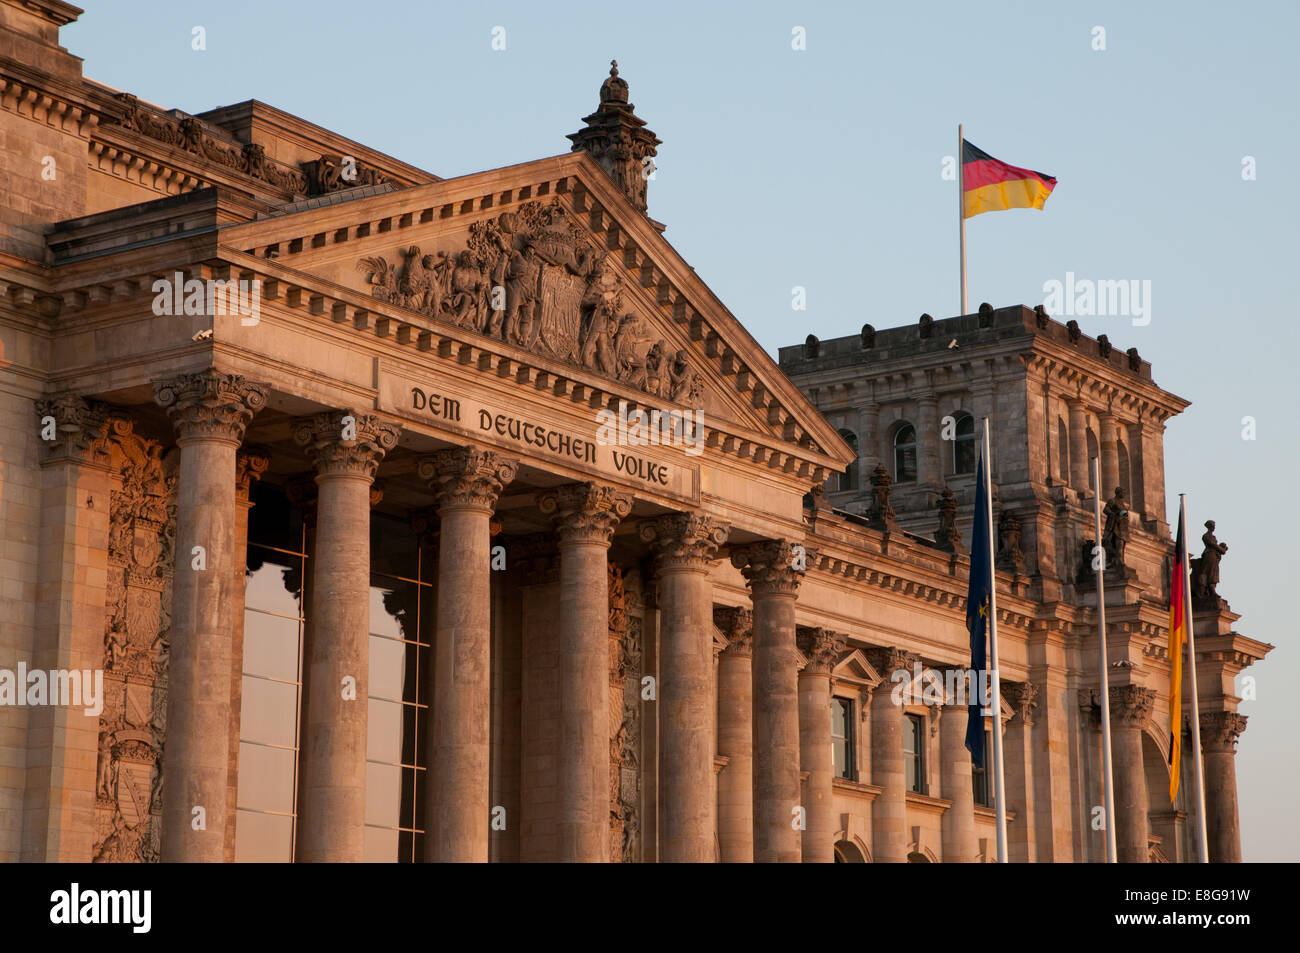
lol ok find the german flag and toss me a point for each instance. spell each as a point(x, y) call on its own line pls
point(1177, 639)
point(990, 185)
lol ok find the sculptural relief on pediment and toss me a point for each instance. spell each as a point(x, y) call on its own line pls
point(534, 278)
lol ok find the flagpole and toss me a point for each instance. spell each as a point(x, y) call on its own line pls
point(961, 209)
point(1103, 669)
point(999, 783)
point(1198, 779)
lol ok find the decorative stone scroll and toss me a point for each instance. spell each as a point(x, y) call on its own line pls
point(345, 442)
point(685, 540)
point(821, 647)
point(736, 625)
point(1131, 705)
point(210, 404)
point(590, 511)
point(1221, 729)
point(772, 565)
point(1023, 698)
point(534, 278)
point(467, 476)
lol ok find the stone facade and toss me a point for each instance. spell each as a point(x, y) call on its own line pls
point(373, 572)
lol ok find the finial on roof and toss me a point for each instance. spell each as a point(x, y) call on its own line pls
point(618, 139)
point(614, 89)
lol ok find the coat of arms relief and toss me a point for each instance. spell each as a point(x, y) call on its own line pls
point(534, 278)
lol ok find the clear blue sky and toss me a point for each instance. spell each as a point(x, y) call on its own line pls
point(821, 168)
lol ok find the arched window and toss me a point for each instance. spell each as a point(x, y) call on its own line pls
point(1092, 452)
point(963, 444)
point(1062, 450)
point(1121, 452)
point(848, 479)
point(905, 454)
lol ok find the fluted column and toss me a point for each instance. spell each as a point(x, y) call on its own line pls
point(209, 411)
point(586, 515)
point(1219, 733)
point(736, 735)
point(889, 809)
point(1109, 455)
point(1019, 766)
point(821, 648)
point(958, 824)
point(685, 545)
point(468, 482)
point(1130, 708)
point(770, 569)
point(1078, 445)
point(869, 437)
point(346, 447)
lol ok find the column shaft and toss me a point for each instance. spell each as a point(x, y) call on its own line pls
point(735, 736)
point(822, 649)
point(889, 809)
point(1078, 446)
point(1219, 733)
point(958, 825)
point(1130, 707)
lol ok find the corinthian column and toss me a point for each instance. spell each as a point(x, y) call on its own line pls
point(468, 482)
point(586, 515)
point(346, 448)
point(685, 544)
point(736, 735)
point(889, 809)
point(1130, 707)
point(209, 411)
point(822, 648)
point(769, 568)
point(1219, 733)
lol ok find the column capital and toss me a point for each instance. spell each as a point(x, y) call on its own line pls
point(1023, 698)
point(250, 464)
point(821, 647)
point(737, 625)
point(467, 477)
point(888, 660)
point(685, 540)
point(586, 512)
point(210, 405)
point(345, 442)
point(1131, 705)
point(79, 430)
point(1221, 729)
point(770, 566)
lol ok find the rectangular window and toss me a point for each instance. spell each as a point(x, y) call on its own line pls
point(914, 753)
point(842, 738)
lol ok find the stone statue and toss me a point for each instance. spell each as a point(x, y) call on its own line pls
point(948, 536)
point(1010, 557)
point(468, 286)
point(1205, 569)
point(1115, 534)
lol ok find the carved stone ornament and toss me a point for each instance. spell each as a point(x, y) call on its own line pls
point(193, 135)
point(467, 476)
point(331, 173)
point(888, 660)
point(737, 626)
point(685, 540)
point(1011, 557)
point(947, 536)
point(586, 511)
point(1131, 705)
point(821, 647)
point(535, 278)
point(772, 566)
point(78, 432)
point(346, 442)
point(1221, 729)
point(210, 405)
point(619, 140)
point(1023, 698)
point(880, 514)
point(1205, 570)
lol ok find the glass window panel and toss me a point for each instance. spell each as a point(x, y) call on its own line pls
point(265, 587)
point(263, 838)
point(414, 722)
point(387, 662)
point(409, 796)
point(270, 646)
point(266, 778)
point(381, 846)
point(393, 546)
point(384, 731)
point(383, 794)
point(269, 712)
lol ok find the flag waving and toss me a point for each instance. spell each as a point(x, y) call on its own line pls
point(990, 185)
point(977, 614)
point(1177, 639)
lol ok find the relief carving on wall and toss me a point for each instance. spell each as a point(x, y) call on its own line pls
point(624, 721)
point(534, 278)
point(128, 804)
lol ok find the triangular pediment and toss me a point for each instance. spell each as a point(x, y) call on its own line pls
point(548, 262)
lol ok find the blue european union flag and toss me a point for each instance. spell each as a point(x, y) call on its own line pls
point(977, 613)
